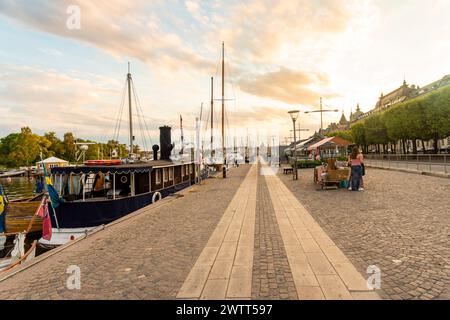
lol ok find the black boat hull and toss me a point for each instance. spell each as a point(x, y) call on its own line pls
point(95, 213)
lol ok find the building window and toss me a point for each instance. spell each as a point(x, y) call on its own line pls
point(158, 176)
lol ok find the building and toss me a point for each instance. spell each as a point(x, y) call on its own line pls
point(50, 163)
point(342, 125)
point(401, 94)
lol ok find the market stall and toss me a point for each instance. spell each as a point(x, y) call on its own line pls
point(332, 174)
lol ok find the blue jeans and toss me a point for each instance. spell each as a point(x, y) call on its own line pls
point(355, 177)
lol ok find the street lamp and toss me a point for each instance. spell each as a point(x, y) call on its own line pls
point(294, 116)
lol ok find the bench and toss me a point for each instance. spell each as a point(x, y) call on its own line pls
point(288, 170)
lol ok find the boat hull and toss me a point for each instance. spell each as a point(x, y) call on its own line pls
point(77, 218)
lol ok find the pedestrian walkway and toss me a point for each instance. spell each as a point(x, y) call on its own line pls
point(224, 268)
point(246, 237)
point(319, 268)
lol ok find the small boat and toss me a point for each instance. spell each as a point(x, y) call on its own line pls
point(13, 173)
point(18, 255)
point(20, 215)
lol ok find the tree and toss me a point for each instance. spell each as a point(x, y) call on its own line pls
point(56, 147)
point(375, 131)
point(358, 133)
point(69, 146)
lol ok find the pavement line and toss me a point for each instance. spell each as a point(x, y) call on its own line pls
point(319, 268)
point(224, 268)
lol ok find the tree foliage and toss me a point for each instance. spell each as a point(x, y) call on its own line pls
point(26, 148)
point(423, 118)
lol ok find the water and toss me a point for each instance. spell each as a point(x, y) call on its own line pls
point(18, 187)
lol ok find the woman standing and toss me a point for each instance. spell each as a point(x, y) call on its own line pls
point(356, 160)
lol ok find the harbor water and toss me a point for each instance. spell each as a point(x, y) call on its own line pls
point(18, 187)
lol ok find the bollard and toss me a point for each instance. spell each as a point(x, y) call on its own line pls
point(224, 171)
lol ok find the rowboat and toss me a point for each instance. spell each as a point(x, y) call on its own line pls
point(20, 216)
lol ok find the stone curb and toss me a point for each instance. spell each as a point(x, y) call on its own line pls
point(425, 173)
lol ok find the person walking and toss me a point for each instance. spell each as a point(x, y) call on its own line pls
point(356, 161)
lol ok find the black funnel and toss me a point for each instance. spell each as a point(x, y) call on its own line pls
point(165, 142)
point(155, 151)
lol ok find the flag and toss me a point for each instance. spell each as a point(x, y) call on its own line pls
point(2, 200)
point(54, 196)
point(2, 209)
point(46, 223)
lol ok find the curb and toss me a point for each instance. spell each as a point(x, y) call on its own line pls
point(425, 173)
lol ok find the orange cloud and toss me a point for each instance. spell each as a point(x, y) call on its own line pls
point(289, 86)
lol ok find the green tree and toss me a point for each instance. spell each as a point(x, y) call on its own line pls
point(69, 146)
point(358, 133)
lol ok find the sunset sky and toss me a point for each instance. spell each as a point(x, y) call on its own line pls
point(280, 55)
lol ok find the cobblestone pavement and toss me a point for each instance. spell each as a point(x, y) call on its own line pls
point(400, 223)
point(145, 257)
point(272, 277)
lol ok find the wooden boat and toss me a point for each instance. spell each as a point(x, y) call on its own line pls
point(15, 173)
point(20, 216)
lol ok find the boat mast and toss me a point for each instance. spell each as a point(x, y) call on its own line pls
point(223, 104)
point(182, 137)
point(129, 110)
point(212, 115)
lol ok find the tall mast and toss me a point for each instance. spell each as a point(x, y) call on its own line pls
point(223, 103)
point(212, 116)
point(321, 121)
point(182, 136)
point(129, 109)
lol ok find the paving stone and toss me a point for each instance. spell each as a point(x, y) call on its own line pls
point(391, 220)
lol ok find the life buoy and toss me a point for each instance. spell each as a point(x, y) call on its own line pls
point(156, 197)
point(123, 179)
point(102, 162)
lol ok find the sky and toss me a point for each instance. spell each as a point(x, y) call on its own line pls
point(58, 75)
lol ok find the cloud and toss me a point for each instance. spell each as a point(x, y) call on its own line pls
point(258, 29)
point(120, 28)
point(289, 86)
point(46, 100)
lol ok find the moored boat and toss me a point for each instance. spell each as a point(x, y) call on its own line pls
point(102, 191)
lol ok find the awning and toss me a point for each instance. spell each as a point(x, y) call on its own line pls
point(104, 169)
point(330, 142)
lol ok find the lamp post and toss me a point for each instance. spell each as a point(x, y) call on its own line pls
point(294, 116)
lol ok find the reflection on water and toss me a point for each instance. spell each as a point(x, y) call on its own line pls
point(18, 187)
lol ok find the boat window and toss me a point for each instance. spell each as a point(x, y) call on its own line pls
point(158, 176)
point(190, 169)
point(171, 173)
point(182, 171)
point(166, 174)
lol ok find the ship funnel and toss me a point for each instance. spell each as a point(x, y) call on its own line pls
point(165, 142)
point(155, 151)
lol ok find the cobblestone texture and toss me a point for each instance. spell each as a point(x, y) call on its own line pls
point(401, 223)
point(272, 277)
point(145, 257)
